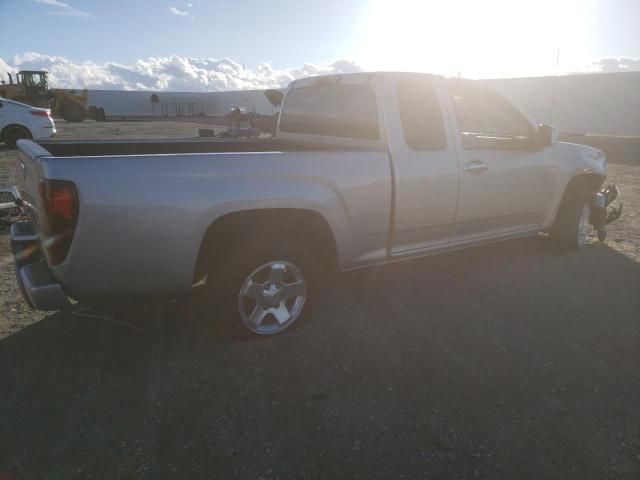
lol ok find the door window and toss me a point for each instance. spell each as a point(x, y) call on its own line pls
point(485, 119)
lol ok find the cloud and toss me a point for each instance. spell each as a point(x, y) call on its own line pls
point(617, 65)
point(64, 9)
point(174, 73)
point(180, 13)
point(53, 3)
point(189, 74)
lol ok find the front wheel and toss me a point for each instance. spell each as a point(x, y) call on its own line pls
point(73, 112)
point(264, 289)
point(572, 227)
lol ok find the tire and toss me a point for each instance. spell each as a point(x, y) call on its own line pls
point(73, 112)
point(263, 287)
point(571, 228)
point(12, 134)
point(602, 235)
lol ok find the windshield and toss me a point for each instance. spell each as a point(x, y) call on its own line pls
point(33, 79)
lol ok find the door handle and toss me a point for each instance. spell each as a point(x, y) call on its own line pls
point(475, 167)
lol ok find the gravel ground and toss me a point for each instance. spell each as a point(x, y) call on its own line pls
point(502, 361)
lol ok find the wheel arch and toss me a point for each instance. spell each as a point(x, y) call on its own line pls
point(583, 183)
point(14, 125)
point(307, 225)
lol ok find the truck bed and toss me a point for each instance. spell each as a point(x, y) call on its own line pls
point(73, 148)
point(147, 204)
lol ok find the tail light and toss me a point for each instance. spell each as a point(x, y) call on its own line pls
point(40, 113)
point(60, 209)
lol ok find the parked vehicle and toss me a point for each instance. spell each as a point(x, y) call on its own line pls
point(19, 121)
point(32, 88)
point(365, 169)
point(237, 117)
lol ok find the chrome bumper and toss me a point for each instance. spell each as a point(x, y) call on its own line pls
point(38, 286)
point(603, 210)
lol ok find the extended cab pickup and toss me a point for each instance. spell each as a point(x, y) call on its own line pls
point(364, 169)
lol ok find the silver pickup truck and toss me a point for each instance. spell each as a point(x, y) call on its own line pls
point(364, 169)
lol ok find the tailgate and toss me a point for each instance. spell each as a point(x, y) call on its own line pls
point(36, 281)
point(28, 176)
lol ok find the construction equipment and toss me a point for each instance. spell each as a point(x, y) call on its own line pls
point(69, 104)
point(32, 87)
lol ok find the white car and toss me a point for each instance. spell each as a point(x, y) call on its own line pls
point(18, 121)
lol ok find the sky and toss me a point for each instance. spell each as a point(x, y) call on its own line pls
point(206, 45)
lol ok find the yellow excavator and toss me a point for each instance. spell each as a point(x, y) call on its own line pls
point(32, 87)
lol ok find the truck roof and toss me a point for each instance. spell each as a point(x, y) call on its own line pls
point(353, 78)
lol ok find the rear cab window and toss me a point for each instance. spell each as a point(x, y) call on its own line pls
point(332, 109)
point(421, 115)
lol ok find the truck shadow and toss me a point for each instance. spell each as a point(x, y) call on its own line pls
point(87, 394)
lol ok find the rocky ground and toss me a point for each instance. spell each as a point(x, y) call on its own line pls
point(502, 361)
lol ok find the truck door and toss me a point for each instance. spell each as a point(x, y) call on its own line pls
point(505, 182)
point(424, 162)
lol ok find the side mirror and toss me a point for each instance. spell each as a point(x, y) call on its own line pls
point(546, 135)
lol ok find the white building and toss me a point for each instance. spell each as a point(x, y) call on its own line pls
point(120, 103)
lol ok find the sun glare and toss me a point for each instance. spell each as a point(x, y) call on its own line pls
point(473, 38)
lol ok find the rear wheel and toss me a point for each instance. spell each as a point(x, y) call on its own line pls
point(12, 134)
point(262, 287)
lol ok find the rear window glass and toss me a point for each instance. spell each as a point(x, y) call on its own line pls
point(334, 110)
point(421, 116)
point(17, 104)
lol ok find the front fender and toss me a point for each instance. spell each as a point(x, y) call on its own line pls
point(572, 161)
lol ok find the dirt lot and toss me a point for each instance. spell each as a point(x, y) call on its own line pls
point(498, 362)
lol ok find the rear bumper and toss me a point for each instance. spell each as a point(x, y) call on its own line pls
point(38, 286)
point(42, 132)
